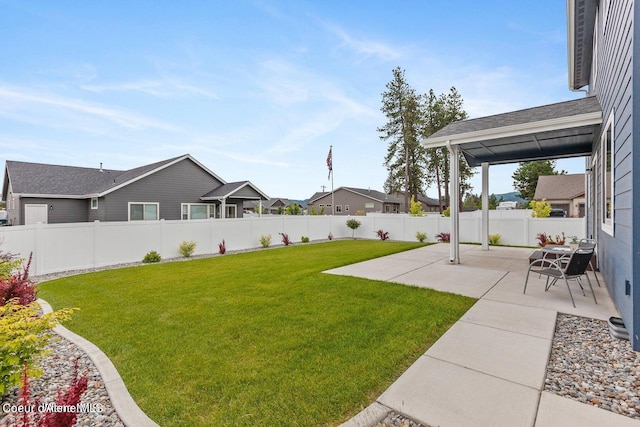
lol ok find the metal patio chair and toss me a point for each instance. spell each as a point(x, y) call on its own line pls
point(589, 244)
point(555, 269)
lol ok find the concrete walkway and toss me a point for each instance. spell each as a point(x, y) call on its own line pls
point(489, 368)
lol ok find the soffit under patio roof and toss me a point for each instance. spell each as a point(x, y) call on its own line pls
point(564, 129)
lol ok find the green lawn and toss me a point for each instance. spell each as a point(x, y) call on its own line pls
point(257, 338)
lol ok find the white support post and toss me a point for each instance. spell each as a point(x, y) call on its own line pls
point(454, 194)
point(223, 208)
point(485, 206)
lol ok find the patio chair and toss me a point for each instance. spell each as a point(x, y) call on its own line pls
point(555, 269)
point(589, 244)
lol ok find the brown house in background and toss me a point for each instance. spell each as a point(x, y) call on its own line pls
point(565, 192)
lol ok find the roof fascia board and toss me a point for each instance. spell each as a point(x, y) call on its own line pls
point(571, 42)
point(230, 193)
point(587, 119)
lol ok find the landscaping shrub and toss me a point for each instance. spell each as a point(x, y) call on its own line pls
point(494, 239)
point(186, 248)
point(383, 235)
point(265, 241)
point(152, 256)
point(540, 209)
point(285, 239)
point(353, 224)
point(421, 236)
point(70, 398)
point(443, 237)
point(8, 264)
point(24, 335)
point(416, 207)
point(222, 247)
point(304, 239)
point(18, 286)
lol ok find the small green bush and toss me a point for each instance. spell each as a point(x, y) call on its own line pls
point(494, 239)
point(23, 339)
point(446, 212)
point(353, 224)
point(265, 241)
point(421, 236)
point(152, 256)
point(416, 207)
point(540, 209)
point(187, 248)
point(304, 239)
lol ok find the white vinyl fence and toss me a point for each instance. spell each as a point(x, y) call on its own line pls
point(61, 247)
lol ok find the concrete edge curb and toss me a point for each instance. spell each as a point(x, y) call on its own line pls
point(369, 416)
point(124, 405)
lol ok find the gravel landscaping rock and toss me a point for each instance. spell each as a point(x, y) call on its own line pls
point(590, 366)
point(58, 368)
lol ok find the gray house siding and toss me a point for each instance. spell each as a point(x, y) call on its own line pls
point(60, 210)
point(184, 178)
point(635, 178)
point(612, 82)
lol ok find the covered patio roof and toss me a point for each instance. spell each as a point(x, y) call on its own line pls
point(564, 129)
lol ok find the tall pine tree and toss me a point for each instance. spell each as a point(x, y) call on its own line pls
point(405, 158)
point(439, 112)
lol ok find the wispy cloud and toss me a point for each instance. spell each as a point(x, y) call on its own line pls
point(22, 104)
point(365, 47)
point(162, 88)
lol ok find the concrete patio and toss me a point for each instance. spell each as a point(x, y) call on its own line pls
point(489, 368)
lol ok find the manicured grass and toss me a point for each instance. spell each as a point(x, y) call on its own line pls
point(257, 338)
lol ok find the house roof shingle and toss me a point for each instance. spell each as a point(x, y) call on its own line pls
point(560, 187)
point(78, 182)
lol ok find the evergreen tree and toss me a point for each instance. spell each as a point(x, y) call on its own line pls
point(405, 158)
point(439, 112)
point(525, 178)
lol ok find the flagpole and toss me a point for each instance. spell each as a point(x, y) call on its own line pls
point(330, 166)
point(333, 205)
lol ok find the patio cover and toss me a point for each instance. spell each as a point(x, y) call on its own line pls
point(561, 130)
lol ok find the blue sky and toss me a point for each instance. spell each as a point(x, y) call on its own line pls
point(259, 90)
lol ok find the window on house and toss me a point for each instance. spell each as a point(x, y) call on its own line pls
point(346, 208)
point(198, 211)
point(369, 205)
point(94, 203)
point(607, 175)
point(230, 211)
point(143, 211)
point(338, 208)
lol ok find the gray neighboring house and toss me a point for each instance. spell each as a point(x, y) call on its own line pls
point(349, 200)
point(172, 189)
point(564, 192)
point(429, 204)
point(273, 206)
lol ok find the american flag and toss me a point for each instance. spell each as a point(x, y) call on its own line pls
point(329, 163)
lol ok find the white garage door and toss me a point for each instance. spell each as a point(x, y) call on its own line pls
point(34, 214)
